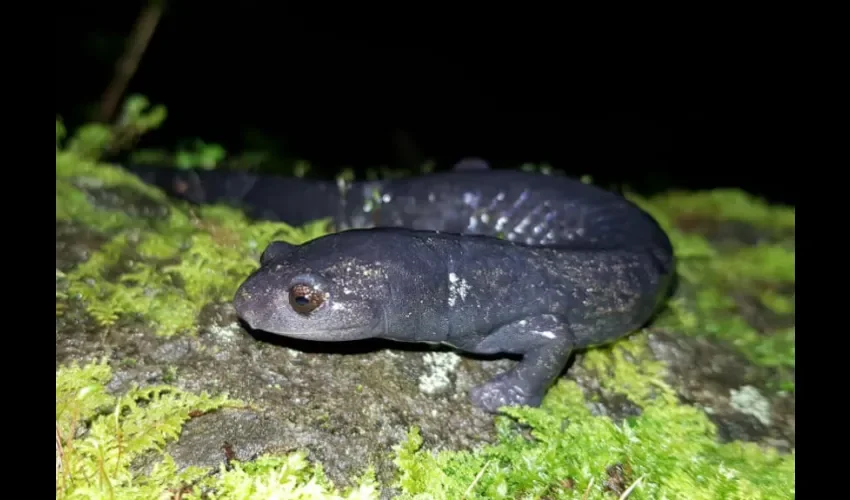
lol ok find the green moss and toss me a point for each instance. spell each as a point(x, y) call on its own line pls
point(72, 204)
point(98, 436)
point(713, 275)
point(725, 205)
point(670, 450)
point(773, 263)
point(280, 477)
point(161, 271)
point(627, 368)
point(781, 304)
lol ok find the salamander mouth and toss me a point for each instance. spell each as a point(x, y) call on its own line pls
point(330, 334)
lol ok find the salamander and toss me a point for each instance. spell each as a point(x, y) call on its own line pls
point(492, 262)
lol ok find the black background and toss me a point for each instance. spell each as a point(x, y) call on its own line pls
point(339, 86)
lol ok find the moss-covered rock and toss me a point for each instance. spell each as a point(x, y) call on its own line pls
point(698, 405)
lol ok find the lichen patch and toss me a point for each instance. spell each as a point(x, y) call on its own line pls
point(750, 401)
point(439, 366)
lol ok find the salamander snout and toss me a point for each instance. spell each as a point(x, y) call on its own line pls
point(255, 305)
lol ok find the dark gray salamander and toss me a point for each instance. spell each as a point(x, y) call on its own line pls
point(486, 261)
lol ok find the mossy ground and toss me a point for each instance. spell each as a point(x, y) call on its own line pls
point(718, 274)
point(167, 267)
point(158, 269)
point(119, 430)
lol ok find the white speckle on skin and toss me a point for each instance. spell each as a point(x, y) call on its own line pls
point(520, 228)
point(523, 322)
point(458, 288)
point(470, 199)
point(544, 333)
point(440, 365)
point(750, 401)
point(386, 198)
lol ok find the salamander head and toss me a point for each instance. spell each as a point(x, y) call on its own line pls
point(325, 290)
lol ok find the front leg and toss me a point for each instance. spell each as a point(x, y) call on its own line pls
point(545, 343)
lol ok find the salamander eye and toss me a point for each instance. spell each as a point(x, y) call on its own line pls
point(304, 299)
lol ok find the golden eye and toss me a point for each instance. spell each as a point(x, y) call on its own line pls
point(304, 299)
